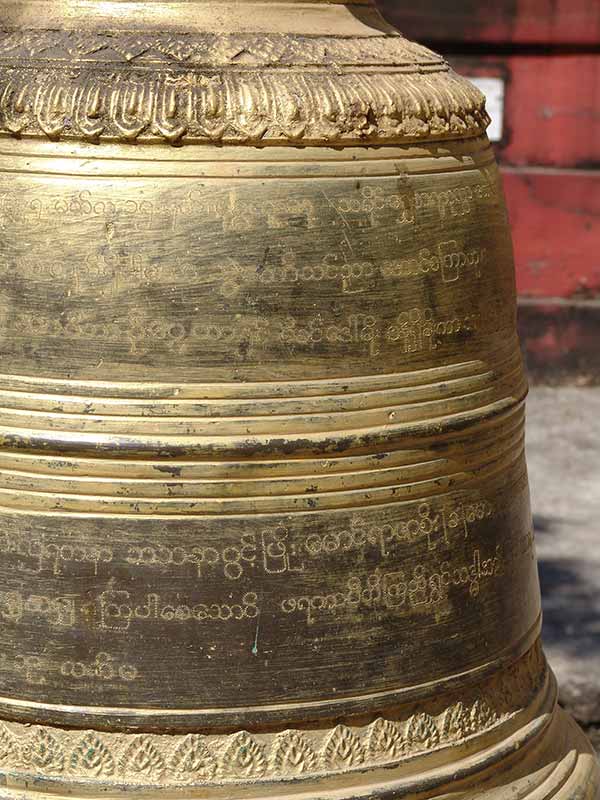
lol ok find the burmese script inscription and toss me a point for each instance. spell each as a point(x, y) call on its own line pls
point(319, 580)
point(387, 281)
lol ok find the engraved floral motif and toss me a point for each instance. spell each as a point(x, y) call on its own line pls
point(7, 743)
point(292, 754)
point(43, 752)
point(192, 757)
point(143, 757)
point(343, 749)
point(456, 722)
point(482, 715)
point(384, 740)
point(91, 756)
point(422, 732)
point(244, 757)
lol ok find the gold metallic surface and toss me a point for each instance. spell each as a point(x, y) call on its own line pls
point(264, 513)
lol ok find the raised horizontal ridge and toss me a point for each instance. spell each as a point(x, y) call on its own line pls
point(89, 447)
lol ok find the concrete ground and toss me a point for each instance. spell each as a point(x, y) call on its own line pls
point(563, 448)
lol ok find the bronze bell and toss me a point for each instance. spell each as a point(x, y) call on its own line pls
point(265, 520)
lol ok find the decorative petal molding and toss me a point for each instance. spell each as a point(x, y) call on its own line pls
point(231, 89)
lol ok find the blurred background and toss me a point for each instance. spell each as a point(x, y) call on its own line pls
point(538, 62)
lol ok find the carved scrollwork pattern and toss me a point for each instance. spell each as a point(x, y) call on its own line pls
point(216, 49)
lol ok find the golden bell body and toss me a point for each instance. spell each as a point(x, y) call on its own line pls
point(264, 517)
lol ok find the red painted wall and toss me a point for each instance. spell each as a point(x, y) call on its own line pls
point(550, 157)
point(555, 218)
point(500, 21)
point(551, 109)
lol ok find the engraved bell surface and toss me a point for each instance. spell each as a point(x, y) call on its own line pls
point(264, 511)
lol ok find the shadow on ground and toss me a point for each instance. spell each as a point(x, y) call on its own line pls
point(571, 608)
point(571, 632)
point(570, 597)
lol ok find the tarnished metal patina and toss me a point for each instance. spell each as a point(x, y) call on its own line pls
point(264, 518)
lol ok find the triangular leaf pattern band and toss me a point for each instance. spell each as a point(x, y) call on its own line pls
point(195, 759)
